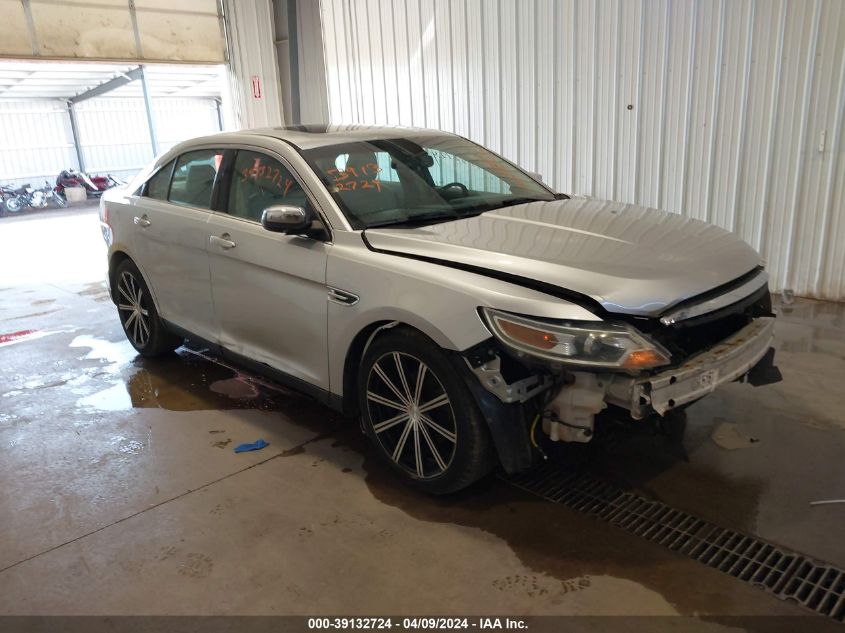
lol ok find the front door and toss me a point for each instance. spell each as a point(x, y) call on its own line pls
point(269, 289)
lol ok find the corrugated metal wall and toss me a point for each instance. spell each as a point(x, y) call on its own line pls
point(313, 102)
point(255, 85)
point(729, 111)
point(36, 140)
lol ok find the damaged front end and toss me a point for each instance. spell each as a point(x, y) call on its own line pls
point(567, 373)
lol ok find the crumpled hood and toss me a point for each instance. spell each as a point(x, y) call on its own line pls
point(630, 259)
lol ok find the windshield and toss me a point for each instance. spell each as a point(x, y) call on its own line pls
point(419, 180)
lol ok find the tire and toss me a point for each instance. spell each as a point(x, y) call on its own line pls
point(431, 432)
point(60, 202)
point(14, 204)
point(138, 316)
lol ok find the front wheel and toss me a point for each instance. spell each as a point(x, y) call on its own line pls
point(14, 204)
point(138, 315)
point(420, 415)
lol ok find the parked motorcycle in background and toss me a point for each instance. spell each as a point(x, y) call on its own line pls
point(12, 202)
point(16, 200)
point(40, 198)
point(94, 185)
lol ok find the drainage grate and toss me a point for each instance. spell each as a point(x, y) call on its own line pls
point(788, 575)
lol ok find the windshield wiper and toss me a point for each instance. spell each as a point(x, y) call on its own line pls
point(515, 201)
point(477, 209)
point(418, 220)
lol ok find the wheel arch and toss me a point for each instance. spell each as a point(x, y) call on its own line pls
point(116, 258)
point(352, 361)
point(360, 343)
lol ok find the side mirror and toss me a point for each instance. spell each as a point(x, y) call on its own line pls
point(287, 219)
point(536, 176)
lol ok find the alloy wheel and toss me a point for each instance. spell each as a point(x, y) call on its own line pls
point(133, 308)
point(411, 415)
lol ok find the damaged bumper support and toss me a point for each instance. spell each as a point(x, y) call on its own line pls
point(569, 415)
point(730, 360)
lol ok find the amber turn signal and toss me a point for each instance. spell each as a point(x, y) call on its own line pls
point(643, 358)
point(528, 335)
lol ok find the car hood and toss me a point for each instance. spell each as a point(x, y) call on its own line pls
point(630, 259)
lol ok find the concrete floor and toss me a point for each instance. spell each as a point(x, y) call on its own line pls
point(120, 492)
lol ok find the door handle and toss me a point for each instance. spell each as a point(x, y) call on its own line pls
point(223, 241)
point(143, 221)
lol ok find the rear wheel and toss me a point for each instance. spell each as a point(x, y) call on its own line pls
point(420, 415)
point(138, 315)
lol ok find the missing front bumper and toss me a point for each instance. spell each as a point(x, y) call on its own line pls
point(730, 360)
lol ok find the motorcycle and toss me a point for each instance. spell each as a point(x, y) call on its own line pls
point(16, 200)
point(94, 185)
point(7, 193)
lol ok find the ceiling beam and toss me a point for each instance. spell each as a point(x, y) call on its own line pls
point(111, 84)
point(20, 81)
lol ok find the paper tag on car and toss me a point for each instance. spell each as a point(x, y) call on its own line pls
point(708, 378)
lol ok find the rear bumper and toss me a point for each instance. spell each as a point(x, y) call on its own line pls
point(731, 359)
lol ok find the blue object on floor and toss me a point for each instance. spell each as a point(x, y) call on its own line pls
point(257, 445)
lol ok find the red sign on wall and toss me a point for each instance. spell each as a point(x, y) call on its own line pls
point(256, 87)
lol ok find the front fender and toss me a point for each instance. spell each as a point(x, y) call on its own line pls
point(439, 301)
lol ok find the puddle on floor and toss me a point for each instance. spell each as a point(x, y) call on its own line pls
point(183, 381)
point(120, 352)
point(237, 388)
point(730, 436)
point(114, 398)
point(823, 313)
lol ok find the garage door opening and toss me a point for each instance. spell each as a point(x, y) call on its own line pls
point(101, 119)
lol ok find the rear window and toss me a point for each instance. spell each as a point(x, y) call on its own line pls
point(194, 177)
point(158, 185)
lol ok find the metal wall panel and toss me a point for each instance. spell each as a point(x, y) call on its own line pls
point(254, 82)
point(312, 68)
point(730, 111)
point(36, 142)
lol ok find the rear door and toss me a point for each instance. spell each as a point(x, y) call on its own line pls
point(170, 236)
point(269, 289)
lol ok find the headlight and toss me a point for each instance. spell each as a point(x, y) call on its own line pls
point(585, 343)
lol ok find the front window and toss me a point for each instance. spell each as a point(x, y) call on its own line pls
point(418, 180)
point(260, 181)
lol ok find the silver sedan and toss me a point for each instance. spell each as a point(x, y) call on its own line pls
point(465, 312)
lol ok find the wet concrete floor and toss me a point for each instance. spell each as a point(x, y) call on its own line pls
point(120, 492)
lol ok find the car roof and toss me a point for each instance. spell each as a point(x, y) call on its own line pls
point(320, 135)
